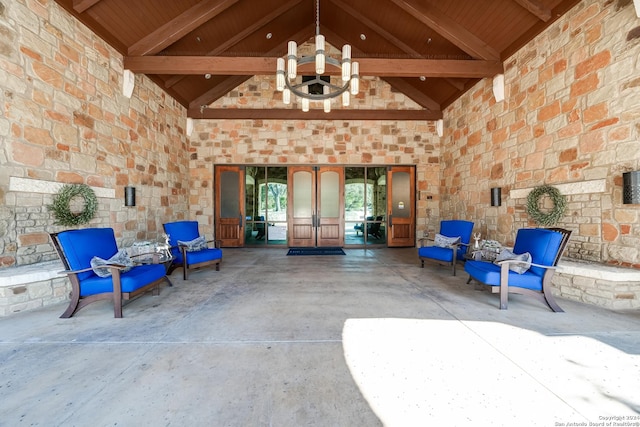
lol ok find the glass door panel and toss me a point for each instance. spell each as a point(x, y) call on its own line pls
point(330, 226)
point(402, 206)
point(276, 195)
point(302, 220)
point(229, 205)
point(255, 177)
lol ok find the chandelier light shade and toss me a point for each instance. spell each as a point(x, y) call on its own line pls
point(287, 80)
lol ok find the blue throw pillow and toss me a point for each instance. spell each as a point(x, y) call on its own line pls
point(519, 268)
point(194, 245)
point(121, 258)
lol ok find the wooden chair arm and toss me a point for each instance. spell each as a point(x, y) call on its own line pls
point(532, 264)
point(217, 243)
point(116, 266)
point(423, 239)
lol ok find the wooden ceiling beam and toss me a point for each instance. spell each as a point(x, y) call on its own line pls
point(242, 35)
point(319, 114)
point(537, 8)
point(182, 25)
point(376, 28)
point(405, 87)
point(449, 29)
point(218, 91)
point(233, 81)
point(244, 66)
point(82, 5)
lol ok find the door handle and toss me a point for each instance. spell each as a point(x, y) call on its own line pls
point(313, 220)
point(241, 221)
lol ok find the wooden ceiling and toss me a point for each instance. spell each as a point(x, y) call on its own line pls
point(432, 51)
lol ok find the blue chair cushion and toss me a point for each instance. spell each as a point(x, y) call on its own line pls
point(204, 255)
point(180, 230)
point(436, 252)
point(186, 231)
point(489, 273)
point(542, 244)
point(130, 281)
point(80, 246)
point(455, 228)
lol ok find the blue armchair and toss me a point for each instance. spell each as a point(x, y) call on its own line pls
point(448, 254)
point(77, 248)
point(186, 257)
point(545, 247)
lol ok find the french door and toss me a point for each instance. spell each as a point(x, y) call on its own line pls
point(229, 205)
point(309, 206)
point(401, 206)
point(316, 206)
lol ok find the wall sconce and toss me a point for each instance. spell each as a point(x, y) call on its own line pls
point(496, 196)
point(129, 196)
point(631, 188)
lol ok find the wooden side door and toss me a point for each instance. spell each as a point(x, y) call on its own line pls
point(401, 206)
point(229, 205)
point(302, 206)
point(330, 206)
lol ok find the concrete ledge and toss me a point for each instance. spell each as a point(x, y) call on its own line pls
point(31, 273)
point(616, 288)
point(598, 271)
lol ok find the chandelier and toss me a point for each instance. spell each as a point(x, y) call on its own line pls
point(318, 87)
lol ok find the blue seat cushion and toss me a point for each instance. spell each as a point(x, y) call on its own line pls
point(489, 274)
point(130, 281)
point(436, 252)
point(204, 255)
point(79, 246)
point(180, 230)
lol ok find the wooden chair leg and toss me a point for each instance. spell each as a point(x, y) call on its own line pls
point(548, 295)
point(117, 294)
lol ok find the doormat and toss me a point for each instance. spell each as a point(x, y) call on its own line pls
point(316, 251)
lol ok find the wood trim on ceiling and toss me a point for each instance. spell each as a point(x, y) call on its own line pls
point(449, 29)
point(81, 6)
point(537, 8)
point(312, 114)
point(251, 66)
point(180, 26)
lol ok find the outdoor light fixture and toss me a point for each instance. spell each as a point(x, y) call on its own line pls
point(631, 188)
point(496, 196)
point(129, 196)
point(318, 87)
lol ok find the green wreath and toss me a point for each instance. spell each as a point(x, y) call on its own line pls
point(533, 205)
point(60, 205)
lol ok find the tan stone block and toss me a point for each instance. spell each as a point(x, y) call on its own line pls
point(26, 154)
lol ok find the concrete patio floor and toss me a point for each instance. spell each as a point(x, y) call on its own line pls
point(364, 339)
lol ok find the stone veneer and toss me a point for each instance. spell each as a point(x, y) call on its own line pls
point(65, 120)
point(323, 142)
point(571, 118)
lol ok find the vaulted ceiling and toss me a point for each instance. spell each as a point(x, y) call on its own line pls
point(433, 51)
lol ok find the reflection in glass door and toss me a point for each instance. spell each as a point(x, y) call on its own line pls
point(365, 206)
point(266, 198)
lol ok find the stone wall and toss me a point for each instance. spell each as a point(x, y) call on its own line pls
point(301, 142)
point(570, 119)
point(64, 120)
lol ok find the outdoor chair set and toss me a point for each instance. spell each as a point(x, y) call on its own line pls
point(99, 271)
point(526, 270)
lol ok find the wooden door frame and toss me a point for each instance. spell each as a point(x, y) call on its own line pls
point(230, 231)
point(401, 231)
